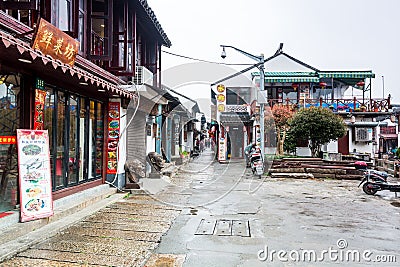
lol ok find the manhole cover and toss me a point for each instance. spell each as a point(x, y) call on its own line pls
point(224, 227)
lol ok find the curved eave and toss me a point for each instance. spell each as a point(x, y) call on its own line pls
point(152, 17)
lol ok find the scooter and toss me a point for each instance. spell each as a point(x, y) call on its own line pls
point(257, 163)
point(375, 181)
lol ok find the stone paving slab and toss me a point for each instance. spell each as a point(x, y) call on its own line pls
point(114, 233)
point(27, 262)
point(149, 226)
point(165, 260)
point(161, 213)
point(83, 258)
point(101, 246)
point(97, 245)
point(106, 216)
point(141, 206)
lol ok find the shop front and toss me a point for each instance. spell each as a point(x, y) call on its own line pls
point(72, 103)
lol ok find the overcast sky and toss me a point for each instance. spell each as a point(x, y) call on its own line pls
point(328, 35)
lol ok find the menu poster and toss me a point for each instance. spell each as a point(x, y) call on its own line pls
point(40, 96)
point(113, 136)
point(34, 174)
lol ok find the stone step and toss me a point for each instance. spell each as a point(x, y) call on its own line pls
point(292, 175)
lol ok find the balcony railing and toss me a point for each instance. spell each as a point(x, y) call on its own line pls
point(337, 105)
point(237, 108)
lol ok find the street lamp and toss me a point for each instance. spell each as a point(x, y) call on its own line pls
point(260, 66)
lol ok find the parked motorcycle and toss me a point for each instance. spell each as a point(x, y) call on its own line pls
point(374, 181)
point(256, 162)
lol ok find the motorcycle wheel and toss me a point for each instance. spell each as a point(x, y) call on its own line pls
point(368, 190)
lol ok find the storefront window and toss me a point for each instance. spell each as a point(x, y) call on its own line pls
point(92, 142)
point(73, 159)
point(9, 122)
point(75, 125)
point(99, 139)
point(48, 118)
point(60, 163)
point(82, 140)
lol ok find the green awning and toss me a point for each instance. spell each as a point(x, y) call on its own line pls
point(286, 74)
point(346, 74)
point(291, 79)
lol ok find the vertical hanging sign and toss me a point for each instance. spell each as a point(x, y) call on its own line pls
point(34, 174)
point(40, 96)
point(221, 103)
point(113, 136)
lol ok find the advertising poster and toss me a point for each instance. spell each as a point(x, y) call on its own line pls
point(34, 174)
point(113, 136)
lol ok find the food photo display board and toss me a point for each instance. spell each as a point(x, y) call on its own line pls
point(113, 137)
point(34, 174)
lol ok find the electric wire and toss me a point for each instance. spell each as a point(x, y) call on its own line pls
point(206, 61)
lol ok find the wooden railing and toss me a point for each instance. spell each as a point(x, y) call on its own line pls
point(337, 105)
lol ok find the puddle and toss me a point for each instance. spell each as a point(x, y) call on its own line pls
point(396, 204)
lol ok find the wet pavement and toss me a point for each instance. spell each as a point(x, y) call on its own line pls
point(212, 214)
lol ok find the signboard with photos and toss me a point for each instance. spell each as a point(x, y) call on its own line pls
point(113, 137)
point(34, 174)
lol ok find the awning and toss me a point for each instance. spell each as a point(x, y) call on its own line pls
point(291, 79)
point(346, 74)
point(388, 136)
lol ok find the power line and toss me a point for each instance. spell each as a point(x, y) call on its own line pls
point(206, 61)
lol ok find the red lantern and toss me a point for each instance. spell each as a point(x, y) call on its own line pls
point(295, 86)
point(360, 84)
point(322, 84)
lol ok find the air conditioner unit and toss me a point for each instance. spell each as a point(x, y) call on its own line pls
point(143, 76)
point(363, 134)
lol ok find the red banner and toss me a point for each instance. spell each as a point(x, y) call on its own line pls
point(113, 137)
point(40, 97)
point(8, 140)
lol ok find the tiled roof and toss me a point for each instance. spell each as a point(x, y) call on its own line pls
point(157, 25)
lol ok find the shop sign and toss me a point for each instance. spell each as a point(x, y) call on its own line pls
point(34, 174)
point(8, 140)
point(113, 137)
point(40, 96)
point(221, 98)
point(221, 149)
point(220, 88)
point(53, 42)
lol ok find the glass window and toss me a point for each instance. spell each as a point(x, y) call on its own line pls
point(60, 140)
point(82, 134)
point(9, 122)
point(76, 129)
point(48, 119)
point(64, 15)
point(73, 159)
point(99, 139)
point(92, 141)
point(99, 21)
